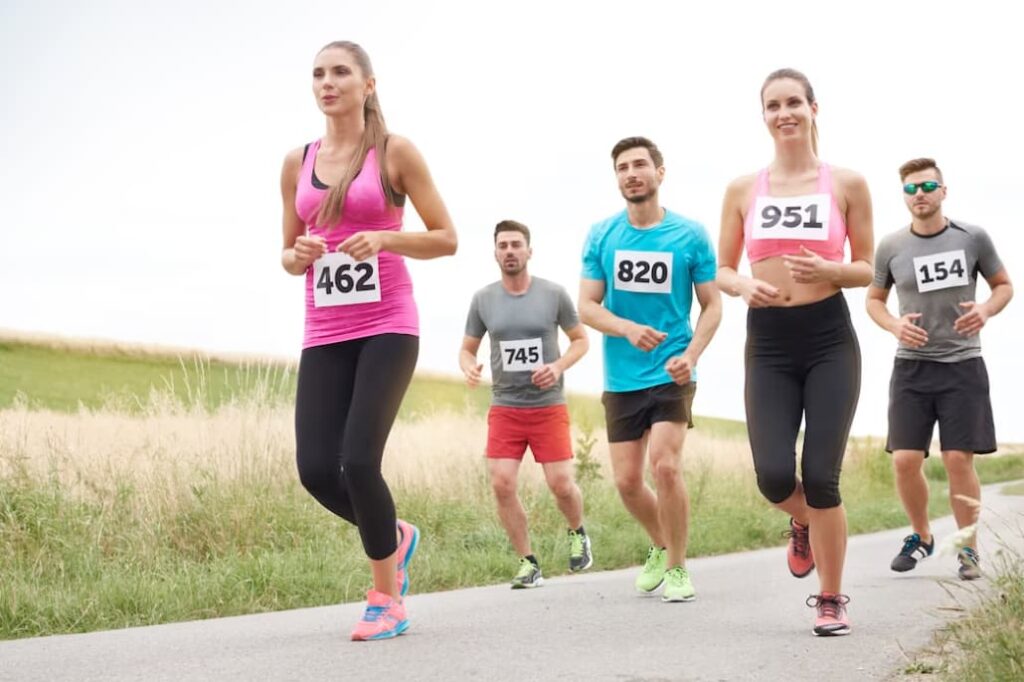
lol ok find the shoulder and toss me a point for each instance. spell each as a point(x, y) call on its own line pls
point(891, 242)
point(967, 228)
point(741, 185)
point(293, 159)
point(848, 180)
point(400, 149)
point(547, 285)
point(601, 229)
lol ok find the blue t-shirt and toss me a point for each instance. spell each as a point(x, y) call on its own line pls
point(648, 276)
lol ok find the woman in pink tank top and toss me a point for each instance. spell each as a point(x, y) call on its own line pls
point(802, 359)
point(343, 202)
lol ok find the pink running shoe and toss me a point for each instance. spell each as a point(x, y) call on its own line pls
point(798, 554)
point(384, 618)
point(406, 548)
point(831, 620)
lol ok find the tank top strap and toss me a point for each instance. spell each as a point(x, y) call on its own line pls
point(761, 185)
point(308, 163)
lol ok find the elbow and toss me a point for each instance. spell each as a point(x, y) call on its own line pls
point(450, 243)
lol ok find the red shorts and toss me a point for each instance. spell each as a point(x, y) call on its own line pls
point(544, 429)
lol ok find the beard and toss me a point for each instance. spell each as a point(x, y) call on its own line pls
point(928, 212)
point(512, 268)
point(637, 198)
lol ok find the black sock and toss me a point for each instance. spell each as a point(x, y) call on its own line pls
point(532, 559)
point(580, 531)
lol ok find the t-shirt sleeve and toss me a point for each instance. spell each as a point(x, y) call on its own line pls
point(592, 266)
point(475, 326)
point(883, 273)
point(704, 267)
point(567, 317)
point(988, 260)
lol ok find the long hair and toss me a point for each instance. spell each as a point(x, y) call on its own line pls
point(799, 77)
point(375, 135)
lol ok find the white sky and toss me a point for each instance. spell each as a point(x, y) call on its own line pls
point(142, 144)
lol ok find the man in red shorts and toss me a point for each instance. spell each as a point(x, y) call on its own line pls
point(522, 314)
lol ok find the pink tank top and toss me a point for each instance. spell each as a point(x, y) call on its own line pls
point(346, 299)
point(777, 226)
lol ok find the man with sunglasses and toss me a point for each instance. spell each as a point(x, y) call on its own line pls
point(939, 374)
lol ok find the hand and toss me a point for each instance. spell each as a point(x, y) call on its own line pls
point(473, 372)
point(680, 368)
point(971, 322)
point(809, 267)
point(308, 249)
point(908, 333)
point(546, 376)
point(363, 245)
point(643, 337)
point(758, 294)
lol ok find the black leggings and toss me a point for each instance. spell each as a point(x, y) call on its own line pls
point(347, 399)
point(802, 361)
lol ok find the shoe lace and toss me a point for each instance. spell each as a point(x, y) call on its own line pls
point(653, 557)
point(575, 544)
point(525, 568)
point(676, 574)
point(910, 543)
point(373, 613)
point(801, 540)
point(829, 606)
point(968, 556)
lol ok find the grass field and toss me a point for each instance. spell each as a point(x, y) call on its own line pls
point(159, 490)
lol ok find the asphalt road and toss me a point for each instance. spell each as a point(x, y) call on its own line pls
point(749, 622)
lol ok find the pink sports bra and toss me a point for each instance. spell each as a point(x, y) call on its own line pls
point(777, 226)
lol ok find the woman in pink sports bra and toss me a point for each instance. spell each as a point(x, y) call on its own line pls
point(343, 202)
point(802, 357)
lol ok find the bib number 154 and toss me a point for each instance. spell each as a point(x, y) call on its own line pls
point(339, 279)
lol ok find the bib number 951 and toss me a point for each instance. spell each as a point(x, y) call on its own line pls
point(339, 279)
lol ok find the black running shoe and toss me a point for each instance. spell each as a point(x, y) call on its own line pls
point(914, 549)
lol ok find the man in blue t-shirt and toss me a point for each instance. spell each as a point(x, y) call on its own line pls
point(640, 270)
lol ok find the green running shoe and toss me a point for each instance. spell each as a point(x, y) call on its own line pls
point(678, 586)
point(580, 557)
point(529, 575)
point(653, 573)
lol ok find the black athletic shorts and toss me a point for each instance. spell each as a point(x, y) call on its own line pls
point(954, 394)
point(628, 414)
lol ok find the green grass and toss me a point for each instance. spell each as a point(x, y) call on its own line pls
point(124, 554)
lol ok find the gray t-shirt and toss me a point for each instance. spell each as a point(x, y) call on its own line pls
point(933, 275)
point(524, 336)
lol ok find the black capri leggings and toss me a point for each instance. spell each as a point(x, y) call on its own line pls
point(347, 399)
point(802, 361)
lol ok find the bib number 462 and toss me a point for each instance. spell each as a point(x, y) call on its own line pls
point(341, 280)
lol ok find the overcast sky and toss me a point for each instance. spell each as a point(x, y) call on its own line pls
point(142, 144)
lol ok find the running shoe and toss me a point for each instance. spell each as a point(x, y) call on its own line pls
point(384, 618)
point(653, 573)
point(970, 568)
point(580, 558)
point(678, 586)
point(831, 620)
point(914, 549)
point(798, 553)
point(406, 548)
point(529, 575)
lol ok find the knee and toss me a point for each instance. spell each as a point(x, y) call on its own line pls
point(504, 487)
point(958, 464)
point(319, 474)
point(629, 483)
point(776, 484)
point(906, 463)
point(562, 487)
point(821, 489)
point(362, 476)
point(665, 470)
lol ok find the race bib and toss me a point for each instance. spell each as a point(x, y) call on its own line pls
point(339, 279)
point(804, 218)
point(524, 355)
point(941, 271)
point(645, 272)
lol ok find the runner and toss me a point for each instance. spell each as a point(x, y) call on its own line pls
point(343, 202)
point(641, 268)
point(939, 374)
point(802, 357)
point(522, 314)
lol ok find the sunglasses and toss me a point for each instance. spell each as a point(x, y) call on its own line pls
point(928, 186)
